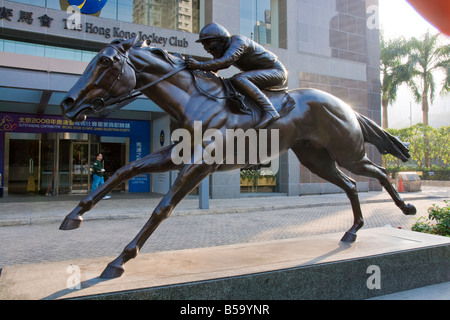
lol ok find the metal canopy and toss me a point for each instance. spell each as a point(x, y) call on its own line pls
point(41, 102)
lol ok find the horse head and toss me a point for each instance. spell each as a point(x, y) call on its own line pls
point(109, 75)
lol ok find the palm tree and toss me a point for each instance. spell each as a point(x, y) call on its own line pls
point(393, 72)
point(426, 57)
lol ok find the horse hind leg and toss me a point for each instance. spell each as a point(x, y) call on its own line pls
point(322, 164)
point(367, 168)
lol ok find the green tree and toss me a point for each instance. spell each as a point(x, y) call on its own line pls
point(419, 144)
point(393, 71)
point(440, 146)
point(427, 56)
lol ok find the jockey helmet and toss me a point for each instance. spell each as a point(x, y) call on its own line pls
point(213, 31)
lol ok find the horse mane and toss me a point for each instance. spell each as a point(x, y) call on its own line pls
point(170, 58)
point(173, 59)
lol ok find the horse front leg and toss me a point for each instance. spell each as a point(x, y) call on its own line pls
point(160, 161)
point(187, 180)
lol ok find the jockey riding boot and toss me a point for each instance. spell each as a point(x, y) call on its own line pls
point(247, 88)
point(269, 114)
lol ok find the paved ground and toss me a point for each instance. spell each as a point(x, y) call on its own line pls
point(29, 225)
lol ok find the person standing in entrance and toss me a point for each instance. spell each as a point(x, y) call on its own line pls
point(97, 174)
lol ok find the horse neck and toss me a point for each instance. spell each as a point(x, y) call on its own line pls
point(171, 94)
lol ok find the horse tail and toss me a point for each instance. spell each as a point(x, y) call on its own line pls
point(382, 140)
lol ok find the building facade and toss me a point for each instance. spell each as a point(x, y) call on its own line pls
point(45, 45)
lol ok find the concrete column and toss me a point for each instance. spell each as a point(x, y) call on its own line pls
point(289, 174)
point(226, 185)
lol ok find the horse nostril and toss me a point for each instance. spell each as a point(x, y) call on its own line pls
point(98, 104)
point(67, 103)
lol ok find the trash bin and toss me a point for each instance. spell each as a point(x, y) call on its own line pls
point(408, 182)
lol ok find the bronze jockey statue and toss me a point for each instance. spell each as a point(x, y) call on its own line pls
point(260, 67)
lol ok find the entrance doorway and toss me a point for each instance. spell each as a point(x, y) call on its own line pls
point(82, 157)
point(115, 155)
point(24, 165)
point(60, 163)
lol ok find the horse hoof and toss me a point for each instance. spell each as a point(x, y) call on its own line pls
point(71, 223)
point(112, 271)
point(349, 237)
point(409, 210)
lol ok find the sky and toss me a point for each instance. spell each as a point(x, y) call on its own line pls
point(397, 18)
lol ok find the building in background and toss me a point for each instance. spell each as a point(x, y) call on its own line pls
point(45, 46)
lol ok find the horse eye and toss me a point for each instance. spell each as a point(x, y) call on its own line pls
point(105, 61)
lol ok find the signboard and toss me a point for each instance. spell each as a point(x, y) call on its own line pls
point(74, 23)
point(137, 131)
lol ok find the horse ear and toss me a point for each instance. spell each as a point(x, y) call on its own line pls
point(146, 43)
point(127, 44)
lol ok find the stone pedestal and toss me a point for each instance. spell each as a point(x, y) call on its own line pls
point(381, 261)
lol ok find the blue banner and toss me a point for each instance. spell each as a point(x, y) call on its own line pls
point(138, 132)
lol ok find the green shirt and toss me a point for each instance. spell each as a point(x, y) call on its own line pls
point(98, 166)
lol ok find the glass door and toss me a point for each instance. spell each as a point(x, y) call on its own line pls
point(94, 150)
point(24, 166)
point(79, 167)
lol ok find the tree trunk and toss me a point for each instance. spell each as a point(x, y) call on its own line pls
point(425, 112)
point(385, 104)
point(425, 106)
point(425, 124)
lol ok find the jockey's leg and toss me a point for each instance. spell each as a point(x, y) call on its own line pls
point(249, 84)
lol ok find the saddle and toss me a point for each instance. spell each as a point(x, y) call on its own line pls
point(207, 83)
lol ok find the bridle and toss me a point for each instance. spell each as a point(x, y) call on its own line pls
point(133, 94)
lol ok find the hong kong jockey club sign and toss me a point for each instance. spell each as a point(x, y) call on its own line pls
point(88, 6)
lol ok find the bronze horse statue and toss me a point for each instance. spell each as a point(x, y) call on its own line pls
point(322, 131)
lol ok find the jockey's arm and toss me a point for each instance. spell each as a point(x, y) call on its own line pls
point(234, 52)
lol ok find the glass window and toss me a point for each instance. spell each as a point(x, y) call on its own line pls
point(50, 52)
point(183, 15)
point(24, 48)
point(87, 56)
point(38, 3)
point(9, 46)
point(260, 21)
point(63, 53)
point(54, 4)
point(39, 50)
point(125, 11)
point(109, 11)
point(46, 51)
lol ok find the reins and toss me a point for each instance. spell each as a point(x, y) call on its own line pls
point(209, 95)
point(133, 94)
